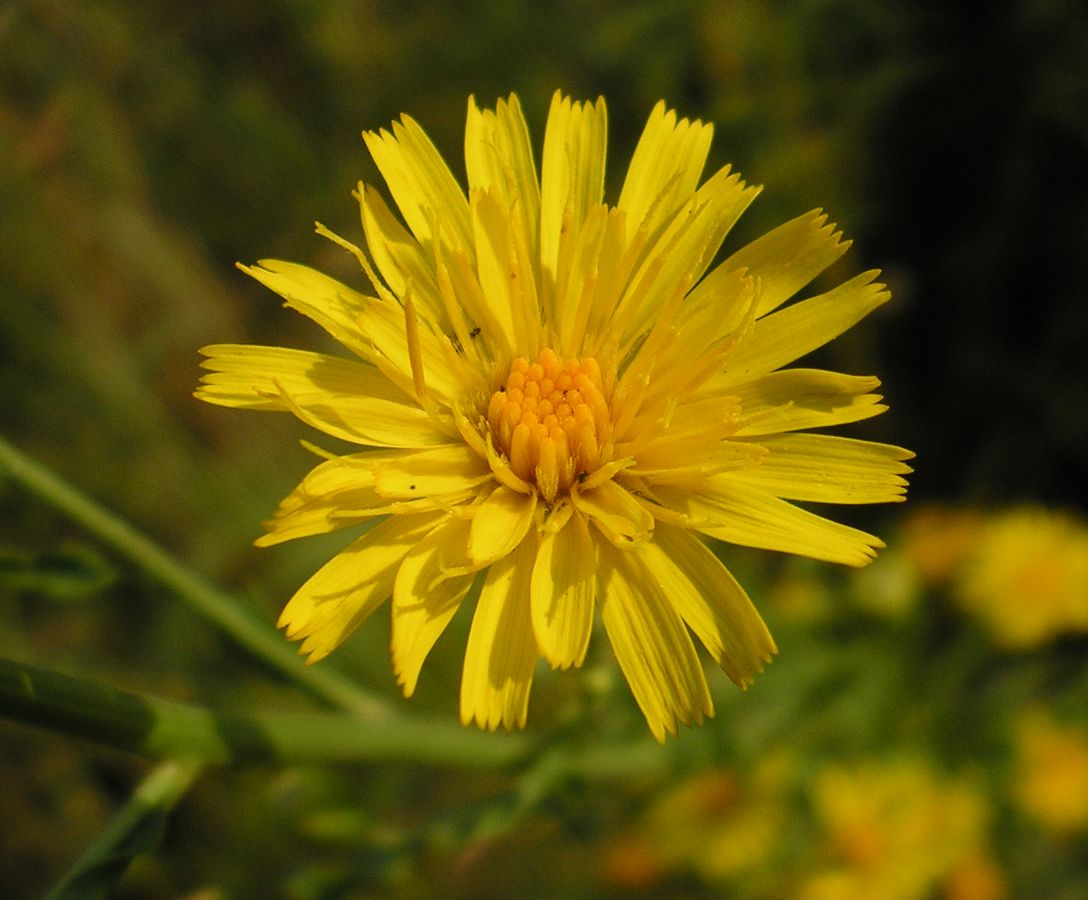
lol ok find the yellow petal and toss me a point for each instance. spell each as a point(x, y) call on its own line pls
point(312, 507)
point(499, 158)
point(499, 277)
point(795, 399)
point(564, 585)
point(348, 588)
point(681, 460)
point(717, 306)
point(341, 492)
point(687, 425)
point(665, 169)
point(826, 469)
point(792, 332)
point(683, 251)
point(331, 304)
point(786, 259)
point(501, 651)
point(499, 524)
point(652, 646)
point(421, 183)
point(384, 325)
point(619, 516)
point(452, 468)
point(729, 510)
point(572, 172)
point(587, 280)
point(399, 258)
point(424, 600)
point(707, 324)
point(710, 601)
point(347, 399)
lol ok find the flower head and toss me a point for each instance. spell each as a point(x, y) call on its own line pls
point(558, 399)
point(1026, 578)
point(722, 825)
point(1050, 782)
point(897, 829)
point(937, 539)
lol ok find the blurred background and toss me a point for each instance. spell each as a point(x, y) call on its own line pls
point(923, 732)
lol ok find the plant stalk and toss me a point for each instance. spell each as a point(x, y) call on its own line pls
point(211, 603)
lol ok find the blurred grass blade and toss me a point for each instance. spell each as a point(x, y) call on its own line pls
point(72, 573)
point(138, 828)
point(215, 605)
point(165, 729)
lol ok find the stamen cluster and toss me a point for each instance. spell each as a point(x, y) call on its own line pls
point(551, 421)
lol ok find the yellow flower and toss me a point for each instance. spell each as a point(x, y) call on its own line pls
point(977, 877)
point(720, 824)
point(937, 539)
point(894, 830)
point(1051, 781)
point(556, 399)
point(1027, 579)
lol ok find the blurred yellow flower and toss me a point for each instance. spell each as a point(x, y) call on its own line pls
point(721, 825)
point(557, 397)
point(893, 830)
point(1051, 776)
point(1027, 577)
point(975, 878)
point(937, 539)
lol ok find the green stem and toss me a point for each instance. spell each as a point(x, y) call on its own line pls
point(135, 830)
point(215, 605)
point(159, 728)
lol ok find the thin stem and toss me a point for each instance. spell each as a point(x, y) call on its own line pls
point(158, 728)
point(213, 604)
point(135, 830)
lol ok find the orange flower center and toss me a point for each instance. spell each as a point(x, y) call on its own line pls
point(551, 421)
